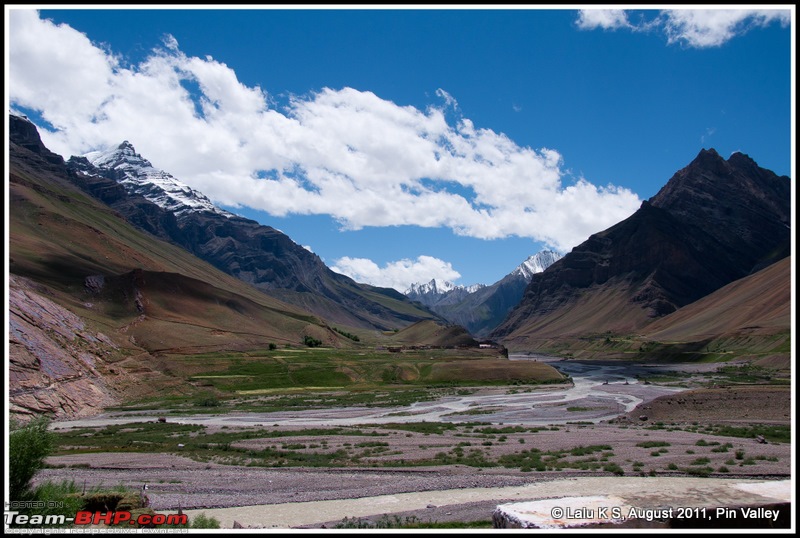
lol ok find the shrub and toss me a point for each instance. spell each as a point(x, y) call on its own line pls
point(29, 445)
point(652, 444)
point(310, 341)
point(202, 521)
point(614, 468)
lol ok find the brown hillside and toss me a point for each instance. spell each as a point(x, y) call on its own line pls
point(757, 304)
point(430, 333)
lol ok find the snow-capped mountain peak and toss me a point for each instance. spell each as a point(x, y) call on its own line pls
point(435, 286)
point(138, 176)
point(439, 292)
point(536, 263)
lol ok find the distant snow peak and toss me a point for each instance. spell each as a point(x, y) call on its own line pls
point(537, 263)
point(436, 291)
point(435, 286)
point(138, 176)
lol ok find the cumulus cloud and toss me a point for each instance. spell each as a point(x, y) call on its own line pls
point(606, 19)
point(713, 27)
point(348, 153)
point(697, 28)
point(397, 274)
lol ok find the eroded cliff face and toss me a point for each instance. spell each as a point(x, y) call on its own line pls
point(57, 366)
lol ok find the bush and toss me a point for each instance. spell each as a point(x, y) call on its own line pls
point(202, 521)
point(613, 468)
point(29, 444)
point(310, 341)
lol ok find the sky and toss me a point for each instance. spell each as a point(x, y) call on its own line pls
point(405, 144)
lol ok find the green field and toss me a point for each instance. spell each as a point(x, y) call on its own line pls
point(302, 378)
point(277, 370)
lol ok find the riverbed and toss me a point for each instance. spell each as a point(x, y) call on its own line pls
point(599, 391)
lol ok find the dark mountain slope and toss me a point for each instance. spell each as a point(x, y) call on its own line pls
point(714, 222)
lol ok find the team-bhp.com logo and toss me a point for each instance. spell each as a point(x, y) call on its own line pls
point(85, 517)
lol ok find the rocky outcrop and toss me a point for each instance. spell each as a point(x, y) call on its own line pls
point(25, 134)
point(58, 366)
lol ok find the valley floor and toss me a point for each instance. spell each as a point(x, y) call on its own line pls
point(669, 446)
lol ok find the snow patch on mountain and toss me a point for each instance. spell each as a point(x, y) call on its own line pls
point(138, 176)
point(536, 264)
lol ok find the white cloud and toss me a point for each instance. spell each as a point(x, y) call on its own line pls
point(397, 274)
point(343, 152)
point(606, 19)
point(449, 100)
point(698, 28)
point(713, 27)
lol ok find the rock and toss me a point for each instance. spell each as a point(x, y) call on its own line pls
point(642, 417)
point(54, 368)
point(558, 513)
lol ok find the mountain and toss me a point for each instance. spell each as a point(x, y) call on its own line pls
point(439, 292)
point(481, 308)
point(95, 304)
point(260, 255)
point(714, 222)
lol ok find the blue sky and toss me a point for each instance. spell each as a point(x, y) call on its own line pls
point(408, 144)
